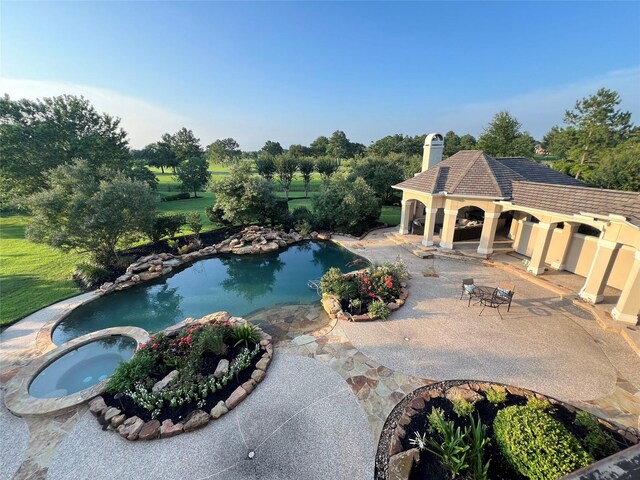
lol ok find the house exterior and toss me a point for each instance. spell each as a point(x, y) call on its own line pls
point(550, 217)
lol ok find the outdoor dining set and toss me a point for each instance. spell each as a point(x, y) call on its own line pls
point(492, 297)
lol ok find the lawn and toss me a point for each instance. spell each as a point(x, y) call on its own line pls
point(33, 276)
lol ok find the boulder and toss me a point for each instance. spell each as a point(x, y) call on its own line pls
point(314, 235)
point(219, 410)
point(331, 304)
point(170, 377)
point(135, 278)
point(131, 428)
point(110, 413)
point(269, 247)
point(149, 430)
point(263, 364)
point(238, 395)
point(216, 317)
point(393, 306)
point(118, 420)
point(249, 385)
point(168, 429)
point(221, 369)
point(123, 278)
point(258, 375)
point(197, 419)
point(459, 393)
point(401, 464)
point(281, 243)
point(243, 250)
point(324, 236)
point(97, 406)
point(295, 236)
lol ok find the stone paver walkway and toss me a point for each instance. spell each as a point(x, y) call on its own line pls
point(320, 411)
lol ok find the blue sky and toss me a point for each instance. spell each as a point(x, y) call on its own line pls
point(292, 71)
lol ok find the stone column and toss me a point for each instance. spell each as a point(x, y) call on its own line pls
point(565, 244)
point(405, 216)
point(628, 307)
point(429, 226)
point(540, 249)
point(601, 266)
point(489, 227)
point(448, 228)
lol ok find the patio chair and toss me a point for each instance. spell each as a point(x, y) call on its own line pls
point(469, 288)
point(506, 291)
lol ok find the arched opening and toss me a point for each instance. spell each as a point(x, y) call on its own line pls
point(469, 224)
point(416, 212)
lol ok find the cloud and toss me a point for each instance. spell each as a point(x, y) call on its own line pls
point(145, 122)
point(539, 110)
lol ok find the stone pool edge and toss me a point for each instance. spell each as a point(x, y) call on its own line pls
point(17, 398)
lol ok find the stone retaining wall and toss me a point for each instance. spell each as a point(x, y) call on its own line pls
point(252, 240)
point(134, 428)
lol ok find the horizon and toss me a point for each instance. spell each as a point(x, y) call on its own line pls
point(290, 72)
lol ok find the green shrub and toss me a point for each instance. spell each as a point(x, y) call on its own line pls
point(128, 373)
point(435, 421)
point(194, 223)
point(177, 196)
point(496, 397)
point(335, 283)
point(379, 309)
point(210, 341)
point(462, 407)
point(90, 275)
point(245, 335)
point(536, 445)
point(168, 224)
point(537, 404)
point(597, 442)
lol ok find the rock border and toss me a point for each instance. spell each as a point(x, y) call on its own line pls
point(134, 428)
point(333, 307)
point(394, 463)
point(252, 240)
point(21, 403)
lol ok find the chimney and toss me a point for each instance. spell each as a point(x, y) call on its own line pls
point(433, 146)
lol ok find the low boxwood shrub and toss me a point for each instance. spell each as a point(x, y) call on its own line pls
point(536, 445)
point(462, 407)
point(537, 404)
point(89, 275)
point(496, 397)
point(379, 309)
point(177, 196)
point(597, 441)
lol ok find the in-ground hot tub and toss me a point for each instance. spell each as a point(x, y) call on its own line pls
point(82, 367)
point(73, 373)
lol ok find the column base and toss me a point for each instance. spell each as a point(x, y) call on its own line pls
point(446, 246)
point(590, 297)
point(558, 266)
point(427, 243)
point(624, 317)
point(535, 271)
point(485, 251)
point(403, 231)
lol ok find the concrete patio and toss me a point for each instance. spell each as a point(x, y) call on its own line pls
point(319, 412)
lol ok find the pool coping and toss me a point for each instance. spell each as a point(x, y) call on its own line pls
point(17, 398)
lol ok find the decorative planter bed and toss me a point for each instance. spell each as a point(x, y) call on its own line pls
point(168, 404)
point(399, 456)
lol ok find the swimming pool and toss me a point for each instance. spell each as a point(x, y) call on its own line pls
point(239, 284)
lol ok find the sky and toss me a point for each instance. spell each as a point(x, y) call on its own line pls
point(291, 71)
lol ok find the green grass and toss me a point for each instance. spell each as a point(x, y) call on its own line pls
point(33, 276)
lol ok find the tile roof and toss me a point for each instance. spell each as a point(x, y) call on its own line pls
point(571, 200)
point(473, 172)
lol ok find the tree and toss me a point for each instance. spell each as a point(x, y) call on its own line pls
point(380, 174)
point(451, 144)
point(272, 148)
point(193, 174)
point(194, 223)
point(306, 167)
point(182, 145)
point(158, 155)
point(319, 146)
point(286, 167)
point(467, 142)
point(326, 167)
point(165, 145)
point(265, 166)
point(597, 124)
point(338, 145)
point(90, 210)
point(619, 167)
point(223, 151)
point(346, 206)
point(397, 144)
point(168, 224)
point(503, 138)
point(38, 136)
point(299, 151)
point(244, 199)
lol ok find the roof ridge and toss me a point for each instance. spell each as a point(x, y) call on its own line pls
point(486, 158)
point(585, 186)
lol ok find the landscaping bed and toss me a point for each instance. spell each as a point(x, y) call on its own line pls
point(184, 376)
point(368, 294)
point(472, 430)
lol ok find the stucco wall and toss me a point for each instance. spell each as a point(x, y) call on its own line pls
point(581, 252)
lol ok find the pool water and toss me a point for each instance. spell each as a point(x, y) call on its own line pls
point(82, 367)
point(239, 284)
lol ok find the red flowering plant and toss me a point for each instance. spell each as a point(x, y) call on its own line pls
point(379, 282)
